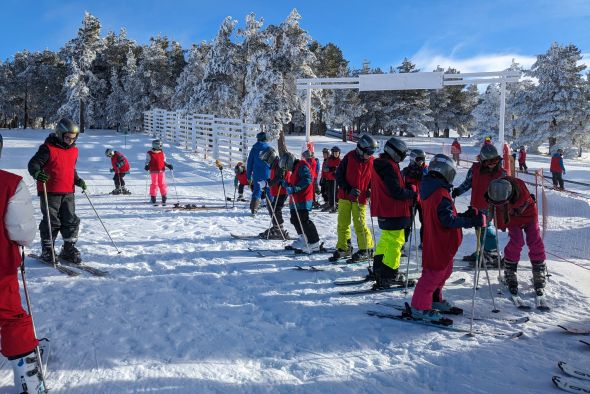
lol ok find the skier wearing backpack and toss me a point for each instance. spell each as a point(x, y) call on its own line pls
point(17, 334)
point(120, 166)
point(353, 178)
point(54, 166)
point(442, 238)
point(278, 195)
point(155, 163)
point(391, 204)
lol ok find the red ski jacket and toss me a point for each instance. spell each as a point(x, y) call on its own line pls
point(61, 168)
point(119, 158)
point(10, 258)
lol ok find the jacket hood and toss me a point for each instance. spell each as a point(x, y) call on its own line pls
point(430, 184)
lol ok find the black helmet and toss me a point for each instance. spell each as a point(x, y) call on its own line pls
point(262, 137)
point(335, 149)
point(109, 153)
point(417, 155)
point(66, 126)
point(1, 144)
point(307, 154)
point(326, 150)
point(367, 144)
point(287, 161)
point(396, 149)
point(499, 191)
point(157, 144)
point(444, 166)
point(268, 155)
point(488, 152)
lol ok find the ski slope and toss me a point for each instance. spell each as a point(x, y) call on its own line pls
point(188, 309)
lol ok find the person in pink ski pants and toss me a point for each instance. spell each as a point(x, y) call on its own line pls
point(155, 163)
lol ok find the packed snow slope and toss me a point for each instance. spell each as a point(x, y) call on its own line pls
point(188, 309)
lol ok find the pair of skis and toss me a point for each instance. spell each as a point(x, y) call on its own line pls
point(579, 385)
point(374, 289)
point(65, 266)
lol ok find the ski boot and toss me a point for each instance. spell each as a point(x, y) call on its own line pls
point(117, 191)
point(254, 205)
point(298, 244)
point(164, 198)
point(430, 315)
point(539, 277)
point(386, 276)
point(510, 268)
point(27, 376)
point(241, 198)
point(153, 200)
point(361, 255)
point(70, 253)
point(445, 307)
point(471, 257)
point(342, 254)
point(491, 258)
point(278, 232)
point(312, 248)
point(124, 190)
point(47, 251)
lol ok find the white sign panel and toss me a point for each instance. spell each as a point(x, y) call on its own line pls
point(404, 81)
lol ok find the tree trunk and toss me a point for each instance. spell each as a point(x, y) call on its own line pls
point(81, 116)
point(281, 144)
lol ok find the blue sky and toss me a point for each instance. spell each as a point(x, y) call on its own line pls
point(469, 35)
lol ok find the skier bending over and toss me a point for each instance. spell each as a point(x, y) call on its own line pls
point(54, 165)
point(155, 163)
point(120, 166)
point(17, 335)
point(240, 180)
point(442, 238)
point(300, 189)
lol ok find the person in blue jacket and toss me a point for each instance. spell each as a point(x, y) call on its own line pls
point(257, 170)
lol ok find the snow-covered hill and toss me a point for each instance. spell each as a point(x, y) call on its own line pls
point(188, 309)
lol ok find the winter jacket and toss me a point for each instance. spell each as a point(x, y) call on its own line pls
point(329, 168)
point(256, 169)
point(479, 179)
point(155, 160)
point(522, 156)
point(120, 163)
point(413, 175)
point(241, 179)
point(520, 210)
point(58, 160)
point(302, 183)
point(557, 163)
point(455, 148)
point(354, 173)
point(16, 214)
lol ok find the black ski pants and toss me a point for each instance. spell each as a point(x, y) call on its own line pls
point(307, 226)
point(119, 181)
point(557, 180)
point(331, 192)
point(277, 209)
point(62, 213)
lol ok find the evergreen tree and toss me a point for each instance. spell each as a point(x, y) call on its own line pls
point(115, 106)
point(136, 99)
point(190, 77)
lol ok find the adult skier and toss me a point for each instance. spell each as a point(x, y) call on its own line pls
point(391, 204)
point(516, 210)
point(54, 169)
point(257, 170)
point(557, 169)
point(442, 238)
point(300, 190)
point(240, 179)
point(329, 174)
point(120, 166)
point(17, 334)
point(278, 195)
point(353, 178)
point(413, 174)
point(156, 164)
point(478, 179)
point(314, 165)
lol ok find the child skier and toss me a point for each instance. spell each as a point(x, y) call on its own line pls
point(300, 190)
point(17, 334)
point(278, 195)
point(391, 204)
point(353, 178)
point(413, 174)
point(329, 174)
point(516, 210)
point(240, 180)
point(155, 163)
point(442, 238)
point(120, 166)
point(557, 169)
point(323, 190)
point(314, 166)
point(456, 151)
point(522, 159)
point(54, 166)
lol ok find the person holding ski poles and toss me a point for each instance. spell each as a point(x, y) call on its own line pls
point(278, 195)
point(392, 204)
point(120, 166)
point(17, 334)
point(54, 169)
point(257, 170)
point(442, 238)
point(155, 163)
point(300, 189)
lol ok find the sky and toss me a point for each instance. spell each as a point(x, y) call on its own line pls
point(468, 35)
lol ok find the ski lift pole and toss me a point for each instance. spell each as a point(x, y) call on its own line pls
point(220, 166)
point(101, 222)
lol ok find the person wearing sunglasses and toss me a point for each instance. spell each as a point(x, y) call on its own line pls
point(353, 178)
point(54, 169)
point(479, 177)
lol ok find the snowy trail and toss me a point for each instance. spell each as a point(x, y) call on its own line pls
point(187, 308)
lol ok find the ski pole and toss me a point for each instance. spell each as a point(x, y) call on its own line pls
point(372, 233)
point(30, 310)
point(412, 224)
point(220, 166)
point(300, 223)
point(49, 224)
point(478, 253)
point(274, 217)
point(500, 276)
point(101, 222)
point(233, 202)
point(176, 190)
point(147, 179)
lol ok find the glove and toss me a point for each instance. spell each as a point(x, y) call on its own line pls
point(284, 184)
point(82, 184)
point(480, 220)
point(111, 170)
point(368, 193)
point(170, 167)
point(290, 189)
point(471, 212)
point(146, 167)
point(41, 176)
point(262, 184)
point(355, 193)
point(455, 193)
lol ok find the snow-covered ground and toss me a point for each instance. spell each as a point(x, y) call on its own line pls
point(186, 308)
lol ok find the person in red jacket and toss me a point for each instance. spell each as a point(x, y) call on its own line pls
point(240, 180)
point(278, 195)
point(391, 204)
point(155, 163)
point(442, 238)
point(17, 334)
point(329, 175)
point(456, 151)
point(54, 168)
point(557, 169)
point(522, 159)
point(323, 191)
point(314, 165)
point(120, 166)
point(413, 174)
point(516, 210)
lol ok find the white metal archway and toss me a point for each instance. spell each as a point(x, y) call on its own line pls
point(410, 81)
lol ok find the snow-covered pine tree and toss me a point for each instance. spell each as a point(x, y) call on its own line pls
point(190, 77)
point(136, 99)
point(375, 118)
point(557, 107)
point(343, 105)
point(439, 102)
point(115, 106)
